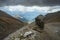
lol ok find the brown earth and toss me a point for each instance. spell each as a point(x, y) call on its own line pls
point(52, 17)
point(51, 30)
point(52, 25)
point(8, 24)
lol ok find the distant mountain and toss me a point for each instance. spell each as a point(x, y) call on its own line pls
point(27, 16)
point(52, 17)
point(8, 24)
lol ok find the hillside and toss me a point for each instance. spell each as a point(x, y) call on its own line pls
point(8, 24)
point(52, 25)
point(22, 34)
point(51, 31)
point(52, 17)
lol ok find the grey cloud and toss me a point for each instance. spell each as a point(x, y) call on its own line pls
point(30, 2)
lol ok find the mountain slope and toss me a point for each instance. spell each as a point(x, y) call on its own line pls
point(52, 17)
point(8, 24)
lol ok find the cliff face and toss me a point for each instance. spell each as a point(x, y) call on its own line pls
point(8, 24)
point(52, 17)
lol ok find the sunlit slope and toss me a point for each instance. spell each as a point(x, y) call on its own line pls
point(8, 24)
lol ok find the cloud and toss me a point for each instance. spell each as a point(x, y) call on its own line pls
point(54, 9)
point(25, 9)
point(30, 2)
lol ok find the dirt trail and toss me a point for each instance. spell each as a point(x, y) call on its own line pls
point(36, 36)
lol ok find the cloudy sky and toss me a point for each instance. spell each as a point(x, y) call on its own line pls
point(29, 9)
point(30, 2)
point(28, 12)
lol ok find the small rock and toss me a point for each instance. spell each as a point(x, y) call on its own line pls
point(28, 33)
point(17, 38)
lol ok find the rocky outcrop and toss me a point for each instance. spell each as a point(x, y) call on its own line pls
point(52, 25)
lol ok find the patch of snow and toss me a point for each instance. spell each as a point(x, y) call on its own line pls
point(27, 33)
point(17, 38)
